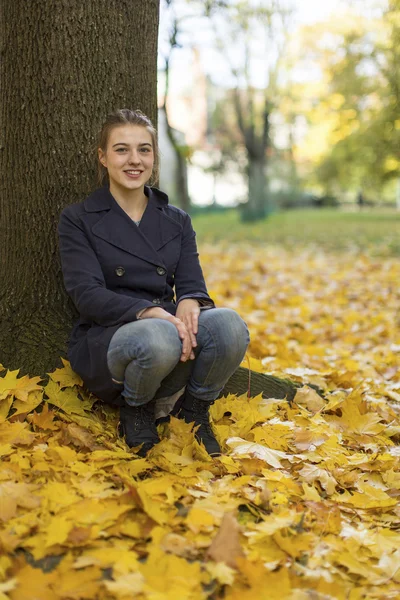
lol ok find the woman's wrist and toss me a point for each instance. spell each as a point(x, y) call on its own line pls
point(153, 312)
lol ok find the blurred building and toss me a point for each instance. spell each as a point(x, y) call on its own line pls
point(189, 108)
point(168, 162)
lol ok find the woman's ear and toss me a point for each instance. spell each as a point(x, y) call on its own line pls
point(102, 157)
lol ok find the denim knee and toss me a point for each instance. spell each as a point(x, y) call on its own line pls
point(151, 343)
point(229, 329)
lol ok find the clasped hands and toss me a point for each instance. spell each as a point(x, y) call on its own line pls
point(186, 321)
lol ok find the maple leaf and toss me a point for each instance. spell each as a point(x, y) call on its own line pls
point(263, 584)
point(78, 436)
point(16, 434)
point(241, 447)
point(126, 586)
point(309, 399)
point(226, 546)
point(220, 571)
point(85, 583)
point(71, 486)
point(311, 473)
point(7, 586)
point(33, 583)
point(58, 530)
point(44, 419)
point(10, 385)
point(67, 399)
point(5, 406)
point(34, 399)
point(66, 377)
point(179, 545)
point(78, 536)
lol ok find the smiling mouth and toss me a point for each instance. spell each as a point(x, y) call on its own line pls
point(133, 172)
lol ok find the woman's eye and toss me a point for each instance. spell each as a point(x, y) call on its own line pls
point(121, 150)
point(145, 150)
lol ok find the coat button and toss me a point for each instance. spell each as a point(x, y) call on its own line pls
point(156, 301)
point(161, 271)
point(119, 271)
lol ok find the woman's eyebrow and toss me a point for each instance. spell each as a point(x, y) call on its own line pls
point(125, 144)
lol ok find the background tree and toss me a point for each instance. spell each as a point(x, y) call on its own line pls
point(181, 150)
point(252, 37)
point(356, 110)
point(63, 68)
point(178, 15)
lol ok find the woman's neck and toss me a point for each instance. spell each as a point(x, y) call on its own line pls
point(133, 202)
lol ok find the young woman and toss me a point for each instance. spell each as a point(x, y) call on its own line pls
point(147, 325)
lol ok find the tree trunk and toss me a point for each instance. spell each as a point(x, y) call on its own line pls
point(257, 206)
point(64, 66)
point(244, 381)
point(182, 198)
point(182, 189)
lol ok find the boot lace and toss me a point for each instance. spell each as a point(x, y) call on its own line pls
point(201, 415)
point(138, 416)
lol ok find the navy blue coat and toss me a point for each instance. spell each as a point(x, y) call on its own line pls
point(112, 269)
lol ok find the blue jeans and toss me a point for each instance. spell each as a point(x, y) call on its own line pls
point(143, 357)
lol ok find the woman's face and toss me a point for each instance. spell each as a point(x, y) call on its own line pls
point(129, 157)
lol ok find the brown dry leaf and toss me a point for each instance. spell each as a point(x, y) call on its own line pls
point(309, 399)
point(226, 546)
point(311, 473)
point(305, 438)
point(78, 436)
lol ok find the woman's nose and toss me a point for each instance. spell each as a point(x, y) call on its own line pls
point(134, 157)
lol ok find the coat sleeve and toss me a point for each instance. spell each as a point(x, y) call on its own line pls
point(84, 279)
point(189, 279)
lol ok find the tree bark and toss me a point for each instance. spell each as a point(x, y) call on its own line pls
point(252, 383)
point(257, 206)
point(63, 67)
point(182, 198)
point(180, 168)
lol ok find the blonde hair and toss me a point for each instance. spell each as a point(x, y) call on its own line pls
point(126, 116)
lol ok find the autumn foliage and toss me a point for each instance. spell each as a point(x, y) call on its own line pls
point(304, 504)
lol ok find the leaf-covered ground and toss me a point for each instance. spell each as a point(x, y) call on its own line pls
point(303, 505)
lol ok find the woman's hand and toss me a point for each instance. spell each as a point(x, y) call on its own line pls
point(159, 313)
point(188, 311)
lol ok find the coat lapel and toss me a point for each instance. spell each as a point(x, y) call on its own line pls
point(156, 227)
point(116, 227)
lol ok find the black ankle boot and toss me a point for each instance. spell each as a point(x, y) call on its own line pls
point(137, 425)
point(196, 410)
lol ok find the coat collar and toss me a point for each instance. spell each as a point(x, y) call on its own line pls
point(117, 228)
point(101, 199)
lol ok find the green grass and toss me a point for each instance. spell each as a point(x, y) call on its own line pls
point(374, 231)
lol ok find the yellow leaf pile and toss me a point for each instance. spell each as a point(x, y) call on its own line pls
point(303, 504)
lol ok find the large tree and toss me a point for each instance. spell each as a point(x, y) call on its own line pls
point(354, 116)
point(251, 36)
point(63, 67)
